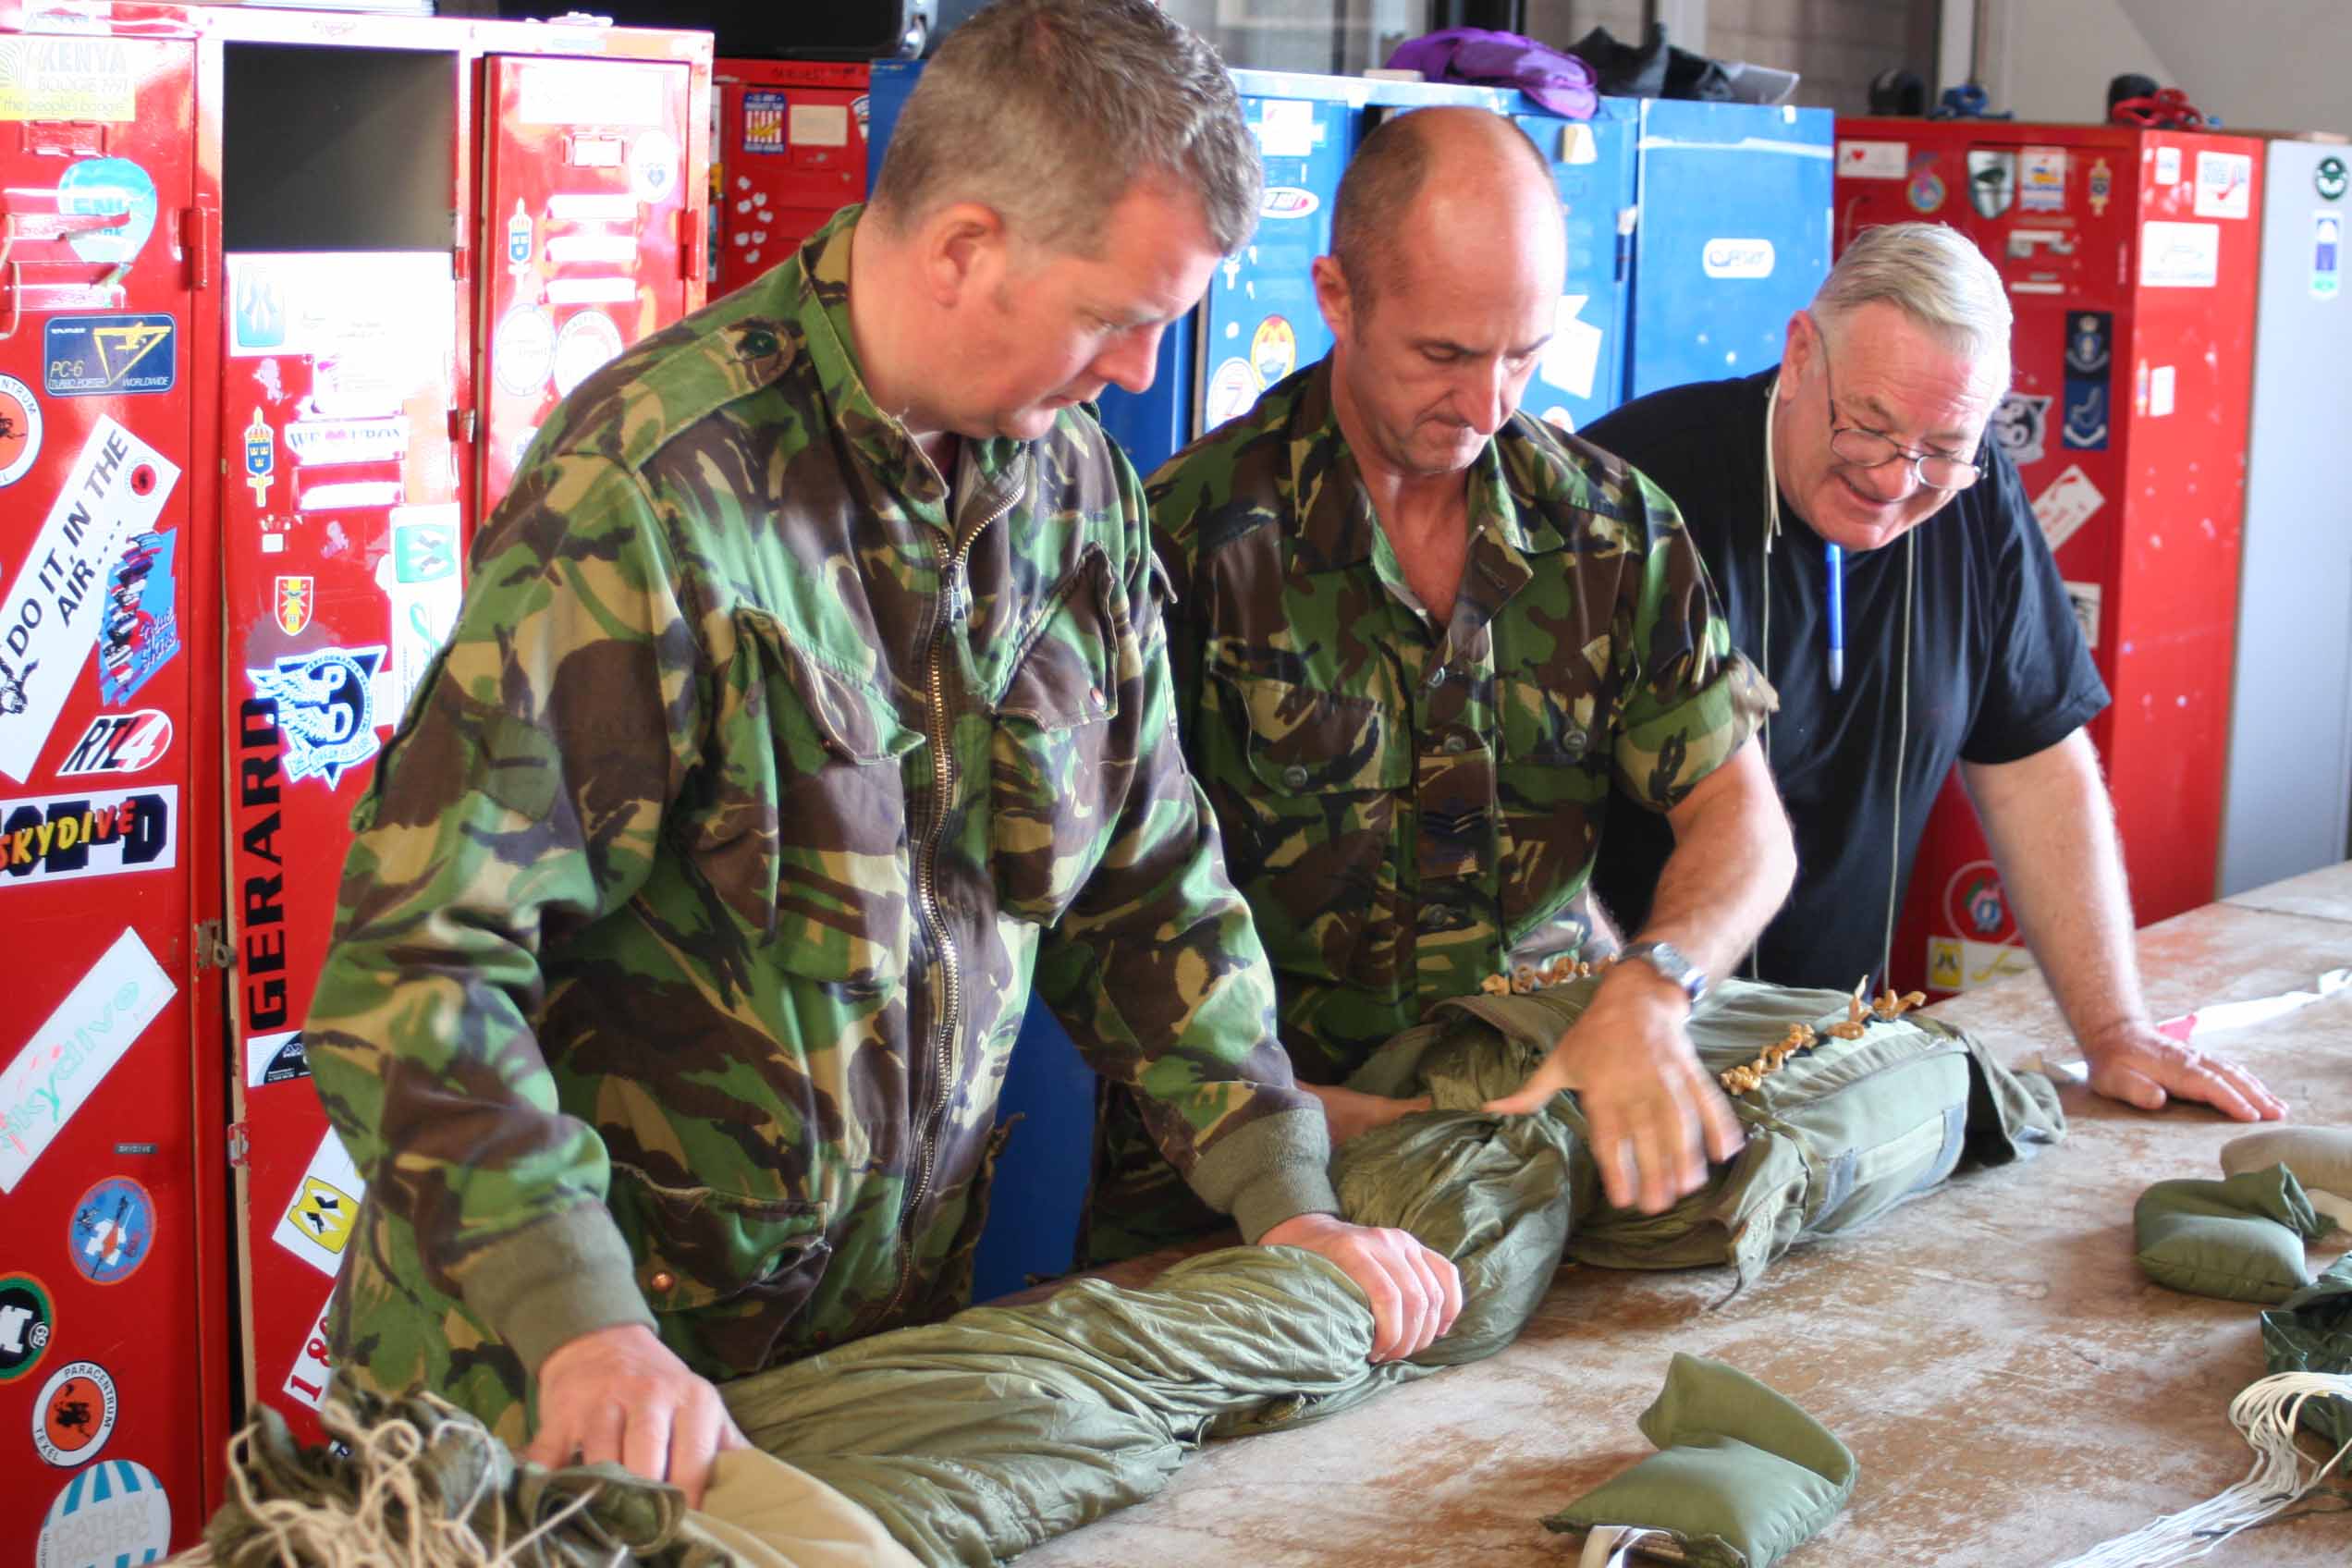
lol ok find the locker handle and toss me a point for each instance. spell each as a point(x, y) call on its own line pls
point(691, 236)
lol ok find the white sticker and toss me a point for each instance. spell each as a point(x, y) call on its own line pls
point(1288, 202)
point(1286, 127)
point(654, 166)
point(1737, 258)
point(1573, 356)
point(1873, 160)
point(104, 833)
point(357, 495)
point(2168, 166)
point(592, 206)
point(2179, 255)
point(818, 125)
point(75, 1415)
point(2085, 596)
point(114, 1512)
point(19, 429)
point(1577, 143)
point(2224, 184)
point(2071, 501)
point(593, 246)
point(2021, 426)
point(1232, 391)
point(587, 92)
point(2041, 182)
point(275, 1058)
point(318, 1221)
point(1956, 963)
point(307, 1380)
point(524, 350)
point(319, 443)
point(50, 620)
point(586, 344)
point(119, 743)
point(590, 290)
point(2160, 391)
point(72, 1053)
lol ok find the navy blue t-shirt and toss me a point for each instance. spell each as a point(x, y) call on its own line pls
point(1999, 670)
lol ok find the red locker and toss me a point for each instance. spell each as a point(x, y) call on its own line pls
point(788, 152)
point(113, 1312)
point(2130, 257)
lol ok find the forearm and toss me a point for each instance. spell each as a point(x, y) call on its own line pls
point(1733, 864)
point(2053, 833)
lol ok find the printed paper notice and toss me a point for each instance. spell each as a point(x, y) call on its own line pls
point(2224, 184)
point(2071, 501)
point(1873, 160)
point(62, 1065)
point(1573, 353)
point(50, 618)
point(2180, 255)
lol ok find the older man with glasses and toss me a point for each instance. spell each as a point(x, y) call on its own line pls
point(1896, 648)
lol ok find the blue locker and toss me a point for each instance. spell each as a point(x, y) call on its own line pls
point(1583, 372)
point(1733, 239)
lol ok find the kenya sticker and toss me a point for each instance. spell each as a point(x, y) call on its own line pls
point(113, 1228)
point(75, 1414)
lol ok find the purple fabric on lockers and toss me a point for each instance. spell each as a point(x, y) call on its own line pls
point(1562, 83)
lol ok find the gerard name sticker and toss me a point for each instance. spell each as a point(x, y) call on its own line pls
point(65, 837)
point(73, 1051)
point(51, 619)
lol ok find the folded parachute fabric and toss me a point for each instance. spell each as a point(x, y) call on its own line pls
point(2319, 1157)
point(2311, 1332)
point(1741, 1478)
point(2239, 1239)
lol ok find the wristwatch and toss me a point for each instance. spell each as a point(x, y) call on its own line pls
point(1669, 961)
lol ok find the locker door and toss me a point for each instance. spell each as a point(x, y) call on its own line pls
point(1583, 372)
point(591, 232)
point(102, 1414)
point(343, 574)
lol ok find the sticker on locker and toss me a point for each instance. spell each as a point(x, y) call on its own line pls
point(318, 1221)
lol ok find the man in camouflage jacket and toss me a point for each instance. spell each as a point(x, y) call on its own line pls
point(1417, 633)
point(697, 903)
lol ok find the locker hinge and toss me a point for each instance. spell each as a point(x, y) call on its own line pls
point(461, 424)
point(213, 948)
point(240, 1145)
point(196, 243)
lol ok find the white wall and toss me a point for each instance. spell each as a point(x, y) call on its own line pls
point(2273, 64)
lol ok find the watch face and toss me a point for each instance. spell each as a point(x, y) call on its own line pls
point(1668, 959)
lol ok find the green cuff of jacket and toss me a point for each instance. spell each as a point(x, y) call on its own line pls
point(1275, 1169)
point(1742, 1475)
point(550, 1283)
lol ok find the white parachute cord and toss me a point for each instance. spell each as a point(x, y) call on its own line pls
point(2266, 1411)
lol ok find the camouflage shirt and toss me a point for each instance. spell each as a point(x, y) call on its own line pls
point(1411, 804)
point(697, 903)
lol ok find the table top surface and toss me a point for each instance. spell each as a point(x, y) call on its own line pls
point(2015, 1389)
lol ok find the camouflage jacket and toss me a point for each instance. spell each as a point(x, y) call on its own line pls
point(1410, 813)
point(697, 903)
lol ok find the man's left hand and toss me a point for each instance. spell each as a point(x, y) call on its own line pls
point(2134, 1063)
point(1415, 1293)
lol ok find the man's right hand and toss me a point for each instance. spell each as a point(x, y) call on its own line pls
point(619, 1394)
point(1415, 1293)
point(1654, 1116)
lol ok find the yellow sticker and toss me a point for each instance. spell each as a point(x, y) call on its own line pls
point(65, 78)
point(1944, 971)
point(324, 1213)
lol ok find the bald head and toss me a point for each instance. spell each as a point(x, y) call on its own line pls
point(1444, 190)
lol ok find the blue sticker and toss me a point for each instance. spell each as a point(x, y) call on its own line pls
point(141, 629)
point(2088, 336)
point(109, 185)
point(2327, 254)
point(106, 356)
point(114, 1226)
point(325, 709)
point(257, 316)
point(2085, 426)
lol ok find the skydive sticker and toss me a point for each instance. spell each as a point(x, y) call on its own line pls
point(112, 1515)
point(72, 1053)
point(326, 709)
point(114, 1226)
point(52, 838)
point(107, 356)
point(26, 1321)
point(56, 605)
point(75, 1415)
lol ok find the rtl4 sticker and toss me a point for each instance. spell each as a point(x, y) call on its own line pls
point(119, 743)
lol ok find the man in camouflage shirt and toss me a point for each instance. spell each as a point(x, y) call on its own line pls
point(811, 698)
point(1417, 633)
